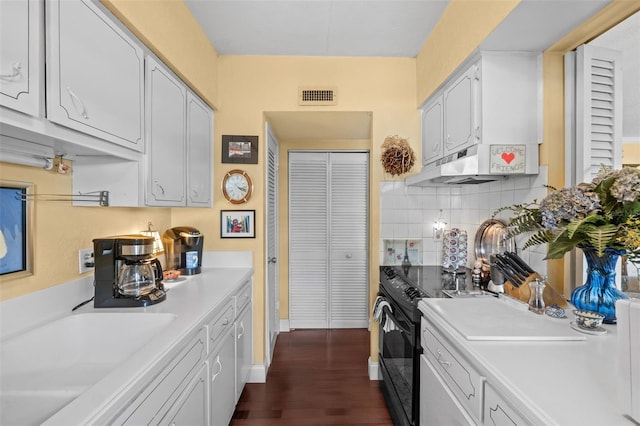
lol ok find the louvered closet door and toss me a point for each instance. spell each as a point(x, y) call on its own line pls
point(349, 243)
point(598, 110)
point(308, 240)
point(328, 239)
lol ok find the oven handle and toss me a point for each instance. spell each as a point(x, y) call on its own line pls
point(391, 317)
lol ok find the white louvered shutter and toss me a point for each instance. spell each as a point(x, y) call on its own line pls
point(349, 198)
point(598, 110)
point(308, 240)
point(328, 239)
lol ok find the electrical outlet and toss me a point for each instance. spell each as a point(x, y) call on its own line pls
point(86, 261)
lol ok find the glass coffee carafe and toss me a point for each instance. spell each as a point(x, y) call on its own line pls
point(139, 278)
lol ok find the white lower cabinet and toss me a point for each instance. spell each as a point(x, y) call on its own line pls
point(244, 339)
point(455, 390)
point(202, 383)
point(165, 390)
point(499, 412)
point(222, 375)
point(438, 405)
point(191, 408)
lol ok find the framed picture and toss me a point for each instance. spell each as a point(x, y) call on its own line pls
point(16, 248)
point(238, 224)
point(240, 149)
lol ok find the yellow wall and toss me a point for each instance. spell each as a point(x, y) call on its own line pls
point(169, 29)
point(254, 85)
point(461, 28)
point(631, 153)
point(60, 230)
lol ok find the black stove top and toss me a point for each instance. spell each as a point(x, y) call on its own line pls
point(407, 288)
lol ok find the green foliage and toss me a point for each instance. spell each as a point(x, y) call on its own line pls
point(602, 214)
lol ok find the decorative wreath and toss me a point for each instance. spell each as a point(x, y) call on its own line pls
point(397, 156)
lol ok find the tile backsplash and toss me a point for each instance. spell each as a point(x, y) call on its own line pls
point(408, 212)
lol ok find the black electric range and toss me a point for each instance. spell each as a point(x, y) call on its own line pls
point(406, 288)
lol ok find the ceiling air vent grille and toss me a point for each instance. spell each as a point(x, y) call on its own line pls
point(317, 96)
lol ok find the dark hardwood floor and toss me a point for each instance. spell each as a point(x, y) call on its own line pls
point(317, 377)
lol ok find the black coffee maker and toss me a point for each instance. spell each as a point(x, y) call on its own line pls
point(183, 249)
point(126, 272)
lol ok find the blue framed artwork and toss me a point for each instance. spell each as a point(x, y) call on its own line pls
point(15, 229)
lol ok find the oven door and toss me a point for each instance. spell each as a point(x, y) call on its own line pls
point(398, 359)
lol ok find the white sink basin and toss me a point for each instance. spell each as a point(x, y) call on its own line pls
point(44, 369)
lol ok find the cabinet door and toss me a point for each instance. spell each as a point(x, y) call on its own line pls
point(199, 152)
point(192, 406)
point(432, 137)
point(95, 73)
point(438, 406)
point(165, 137)
point(244, 354)
point(20, 55)
point(459, 126)
point(222, 380)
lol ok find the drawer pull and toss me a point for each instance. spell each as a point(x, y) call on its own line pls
point(441, 361)
point(226, 321)
point(219, 364)
point(241, 332)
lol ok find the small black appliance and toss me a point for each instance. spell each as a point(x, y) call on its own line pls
point(183, 249)
point(126, 272)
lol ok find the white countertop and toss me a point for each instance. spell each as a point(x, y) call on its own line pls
point(190, 301)
point(562, 381)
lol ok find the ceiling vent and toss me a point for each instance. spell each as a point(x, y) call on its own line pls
point(317, 96)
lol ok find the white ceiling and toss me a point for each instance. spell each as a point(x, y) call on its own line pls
point(373, 28)
point(318, 27)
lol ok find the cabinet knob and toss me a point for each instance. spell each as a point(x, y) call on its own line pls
point(272, 260)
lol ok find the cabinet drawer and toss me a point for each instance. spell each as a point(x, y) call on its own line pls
point(221, 322)
point(498, 411)
point(165, 389)
point(243, 298)
point(463, 380)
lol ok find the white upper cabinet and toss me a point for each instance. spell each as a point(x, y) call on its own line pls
point(495, 98)
point(199, 153)
point(165, 136)
point(459, 126)
point(179, 129)
point(95, 73)
point(21, 80)
point(432, 131)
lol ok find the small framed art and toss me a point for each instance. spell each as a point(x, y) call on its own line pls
point(238, 224)
point(239, 149)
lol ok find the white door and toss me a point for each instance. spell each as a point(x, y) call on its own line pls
point(273, 305)
point(328, 239)
point(165, 137)
point(459, 114)
point(20, 55)
point(199, 152)
point(95, 73)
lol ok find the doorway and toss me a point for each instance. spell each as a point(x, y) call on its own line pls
point(328, 239)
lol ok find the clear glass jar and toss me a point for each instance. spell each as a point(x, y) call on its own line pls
point(536, 300)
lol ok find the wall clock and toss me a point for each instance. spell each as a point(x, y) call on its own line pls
point(237, 186)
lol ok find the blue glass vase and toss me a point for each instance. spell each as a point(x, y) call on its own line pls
point(599, 293)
